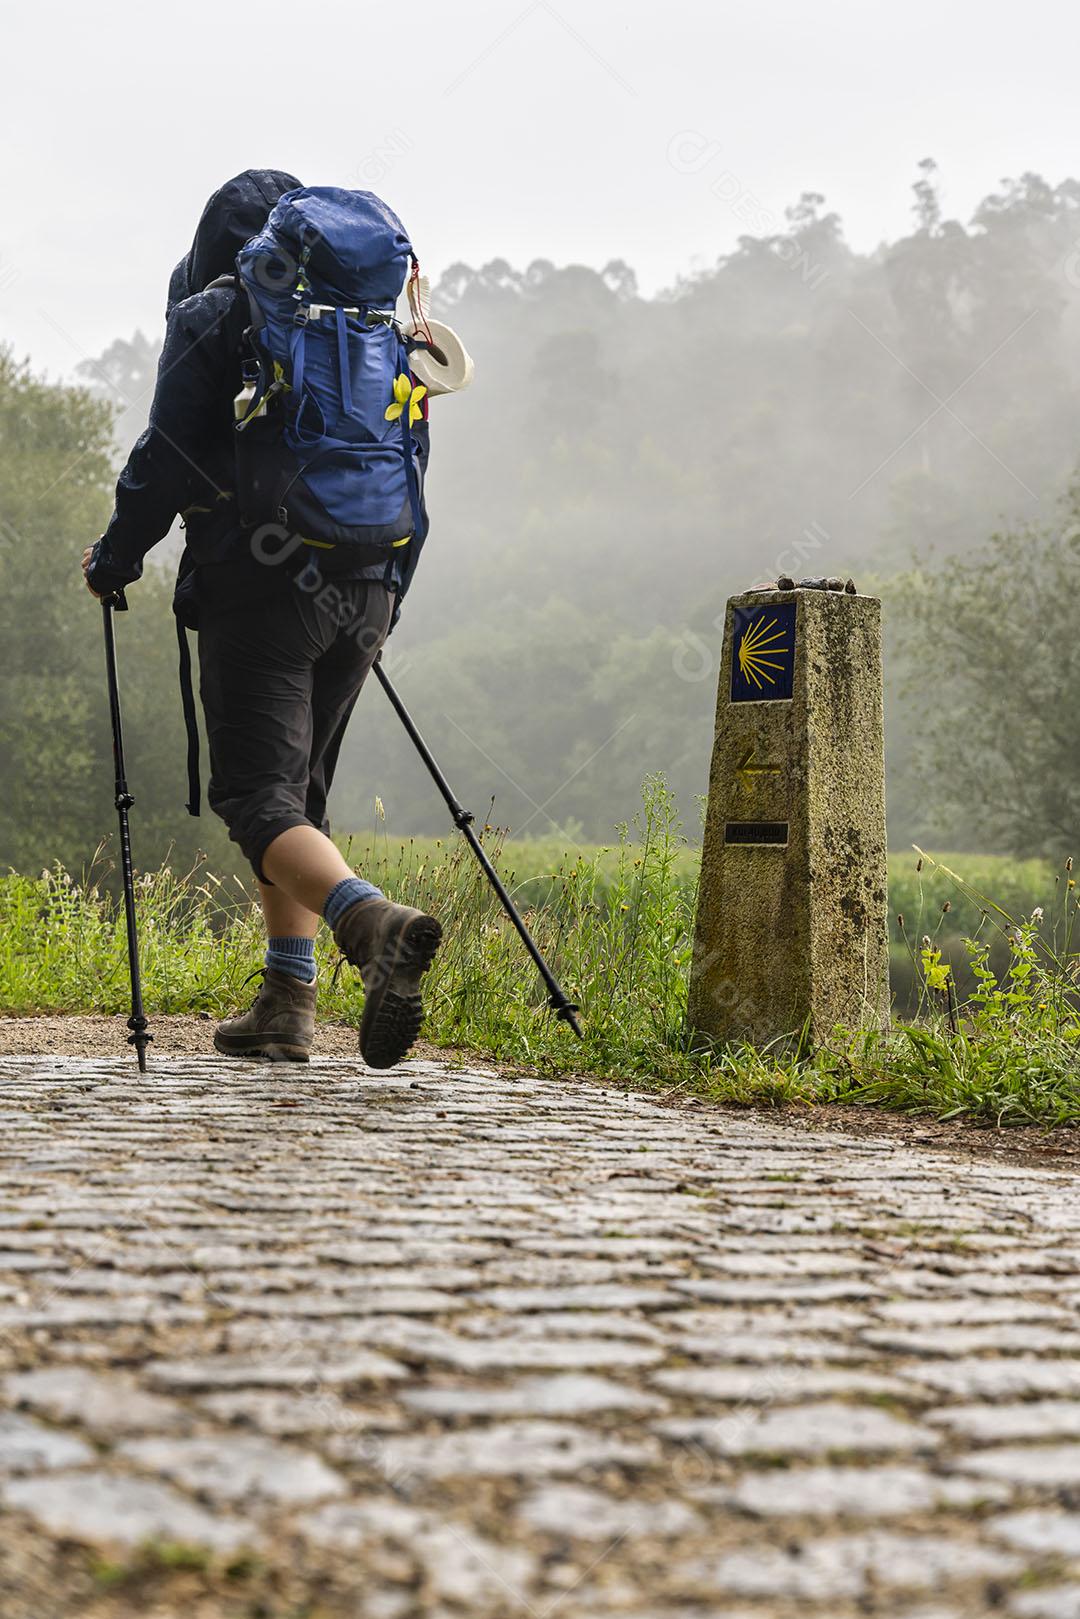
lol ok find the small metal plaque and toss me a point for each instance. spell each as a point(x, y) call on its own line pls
point(763, 653)
point(773, 833)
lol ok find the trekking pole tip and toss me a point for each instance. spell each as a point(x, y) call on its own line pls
point(140, 1037)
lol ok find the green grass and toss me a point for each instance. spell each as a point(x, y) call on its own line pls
point(925, 898)
point(991, 1032)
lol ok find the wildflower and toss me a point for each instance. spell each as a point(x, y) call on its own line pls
point(946, 907)
point(379, 809)
point(1068, 864)
point(900, 920)
point(1037, 914)
point(1072, 882)
point(935, 970)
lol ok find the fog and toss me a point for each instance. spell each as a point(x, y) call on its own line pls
point(538, 130)
point(749, 290)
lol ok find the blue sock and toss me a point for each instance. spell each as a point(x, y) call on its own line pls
point(346, 893)
point(292, 955)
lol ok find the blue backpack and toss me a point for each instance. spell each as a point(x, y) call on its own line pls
point(325, 446)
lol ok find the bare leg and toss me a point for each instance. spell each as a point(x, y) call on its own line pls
point(304, 865)
point(284, 917)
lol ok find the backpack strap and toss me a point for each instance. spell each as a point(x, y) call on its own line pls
point(410, 470)
point(296, 354)
point(344, 369)
point(191, 723)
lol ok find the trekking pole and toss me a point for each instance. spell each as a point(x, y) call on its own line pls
point(139, 1038)
point(463, 819)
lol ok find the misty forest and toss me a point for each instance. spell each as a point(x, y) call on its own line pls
point(910, 417)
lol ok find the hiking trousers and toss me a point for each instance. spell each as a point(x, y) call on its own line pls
point(281, 664)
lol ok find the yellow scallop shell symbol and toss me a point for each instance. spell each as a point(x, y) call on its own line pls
point(758, 651)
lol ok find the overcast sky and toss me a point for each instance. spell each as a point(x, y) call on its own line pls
point(578, 131)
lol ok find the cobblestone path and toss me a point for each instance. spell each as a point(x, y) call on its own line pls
point(445, 1342)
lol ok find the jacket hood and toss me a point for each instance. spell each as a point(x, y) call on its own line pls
point(237, 211)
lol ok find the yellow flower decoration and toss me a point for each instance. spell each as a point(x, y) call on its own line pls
point(405, 394)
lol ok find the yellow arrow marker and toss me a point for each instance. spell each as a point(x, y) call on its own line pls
point(747, 770)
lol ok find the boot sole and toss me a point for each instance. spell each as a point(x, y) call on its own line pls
point(268, 1050)
point(394, 1011)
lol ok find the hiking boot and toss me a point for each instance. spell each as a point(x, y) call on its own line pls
point(393, 946)
point(279, 1025)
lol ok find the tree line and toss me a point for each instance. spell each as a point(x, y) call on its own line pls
point(620, 467)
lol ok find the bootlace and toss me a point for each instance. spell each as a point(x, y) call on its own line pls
point(260, 974)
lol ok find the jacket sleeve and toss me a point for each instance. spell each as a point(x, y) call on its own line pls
point(164, 472)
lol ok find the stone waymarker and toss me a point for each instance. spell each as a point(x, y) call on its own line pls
point(791, 923)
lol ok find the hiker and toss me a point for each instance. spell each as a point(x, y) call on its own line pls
point(287, 431)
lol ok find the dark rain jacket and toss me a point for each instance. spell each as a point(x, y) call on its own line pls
point(184, 462)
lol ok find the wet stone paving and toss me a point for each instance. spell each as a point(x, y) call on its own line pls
point(448, 1342)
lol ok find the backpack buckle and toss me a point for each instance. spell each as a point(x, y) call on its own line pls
point(317, 311)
